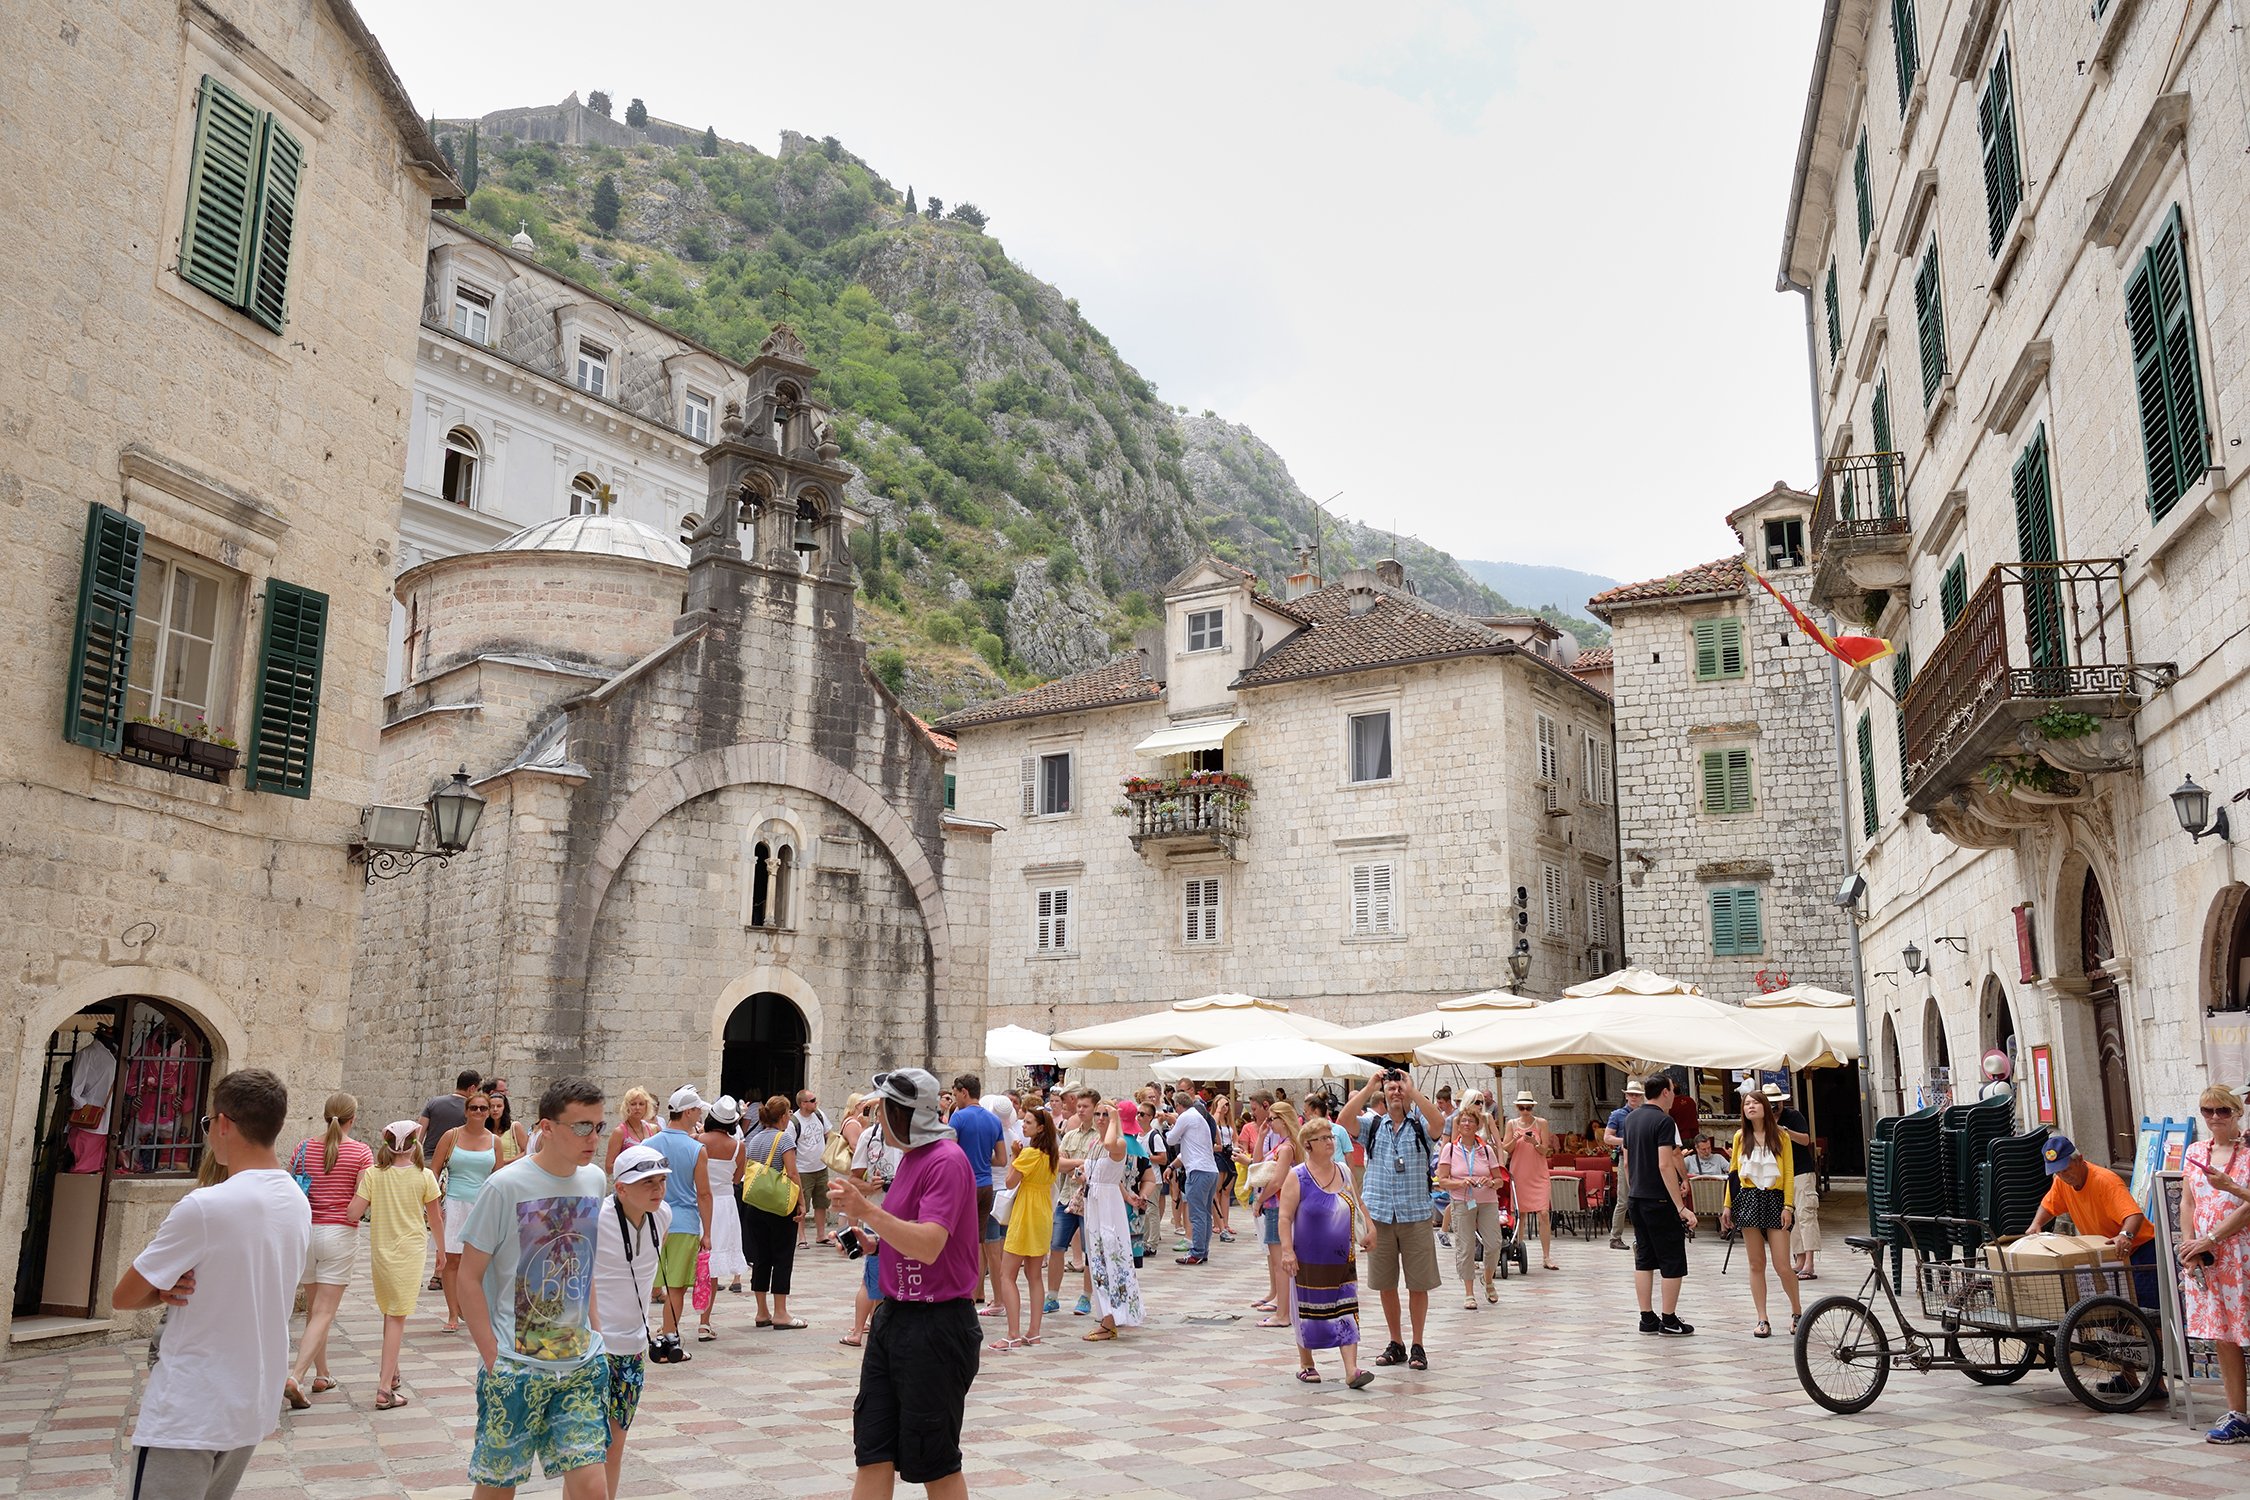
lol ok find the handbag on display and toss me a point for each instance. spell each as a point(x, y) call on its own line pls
point(768, 1187)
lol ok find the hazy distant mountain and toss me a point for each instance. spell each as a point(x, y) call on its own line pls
point(1565, 589)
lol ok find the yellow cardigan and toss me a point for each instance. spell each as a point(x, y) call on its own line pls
point(1788, 1171)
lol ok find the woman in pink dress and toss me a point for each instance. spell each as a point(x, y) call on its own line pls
point(2216, 1258)
point(1529, 1141)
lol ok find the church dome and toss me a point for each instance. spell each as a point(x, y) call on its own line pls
point(606, 536)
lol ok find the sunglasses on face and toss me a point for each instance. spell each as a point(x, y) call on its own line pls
point(585, 1128)
point(2220, 1113)
point(480, 1109)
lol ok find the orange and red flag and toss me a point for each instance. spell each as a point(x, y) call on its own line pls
point(1855, 651)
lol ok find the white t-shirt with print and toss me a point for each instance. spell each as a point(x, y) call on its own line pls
point(812, 1139)
point(225, 1353)
point(621, 1285)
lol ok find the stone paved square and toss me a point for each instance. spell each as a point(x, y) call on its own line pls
point(1548, 1393)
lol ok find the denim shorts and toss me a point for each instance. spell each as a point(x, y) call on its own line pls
point(1067, 1226)
point(871, 1276)
point(1272, 1217)
point(523, 1412)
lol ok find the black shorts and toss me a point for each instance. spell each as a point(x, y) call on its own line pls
point(914, 1378)
point(1659, 1239)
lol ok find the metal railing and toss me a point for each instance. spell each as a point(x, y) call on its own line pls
point(2041, 631)
point(1187, 812)
point(1862, 495)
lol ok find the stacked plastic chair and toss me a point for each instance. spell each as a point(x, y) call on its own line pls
point(2011, 1181)
point(1906, 1176)
point(1968, 1132)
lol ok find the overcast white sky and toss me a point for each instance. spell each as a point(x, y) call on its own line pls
point(1501, 273)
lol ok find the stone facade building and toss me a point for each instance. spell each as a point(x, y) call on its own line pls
point(1727, 779)
point(535, 397)
point(715, 850)
point(1330, 800)
point(2018, 233)
point(197, 453)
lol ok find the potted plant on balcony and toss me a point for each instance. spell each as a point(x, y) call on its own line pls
point(209, 746)
point(156, 735)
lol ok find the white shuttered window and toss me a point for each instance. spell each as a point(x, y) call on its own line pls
point(1374, 895)
point(1558, 901)
point(1054, 921)
point(1597, 913)
point(1201, 909)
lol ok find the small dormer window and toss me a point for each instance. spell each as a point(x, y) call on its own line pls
point(472, 314)
point(1785, 543)
point(592, 375)
point(1207, 630)
point(695, 416)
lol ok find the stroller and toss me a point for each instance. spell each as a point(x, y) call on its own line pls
point(1512, 1250)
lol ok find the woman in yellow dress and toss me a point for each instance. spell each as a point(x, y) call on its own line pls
point(1031, 1224)
point(400, 1197)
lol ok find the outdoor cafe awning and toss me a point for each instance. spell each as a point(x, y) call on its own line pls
point(1182, 738)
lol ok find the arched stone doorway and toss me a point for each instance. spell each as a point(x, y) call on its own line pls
point(122, 1089)
point(1894, 1071)
point(1937, 1087)
point(2227, 985)
point(765, 1046)
point(2097, 947)
point(1996, 1026)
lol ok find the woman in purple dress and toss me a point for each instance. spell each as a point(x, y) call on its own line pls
point(1318, 1217)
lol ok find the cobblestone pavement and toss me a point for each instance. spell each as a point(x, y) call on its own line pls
point(1551, 1392)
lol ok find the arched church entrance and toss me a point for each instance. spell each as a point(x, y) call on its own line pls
point(122, 1090)
point(1894, 1071)
point(1996, 1023)
point(2097, 945)
point(766, 1043)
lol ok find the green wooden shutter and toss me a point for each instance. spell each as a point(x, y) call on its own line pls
point(1722, 922)
point(1902, 678)
point(1929, 323)
point(2035, 543)
point(2167, 376)
point(1869, 818)
point(1863, 187)
point(266, 289)
point(1706, 650)
point(2003, 169)
point(1835, 314)
point(286, 716)
point(1886, 486)
point(1714, 781)
point(1749, 921)
point(101, 648)
point(1738, 781)
point(1905, 47)
point(215, 240)
point(1953, 590)
point(1729, 639)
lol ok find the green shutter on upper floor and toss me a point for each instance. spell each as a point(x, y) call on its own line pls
point(1863, 189)
point(266, 291)
point(1929, 323)
point(101, 649)
point(1737, 924)
point(285, 719)
point(2003, 165)
point(2167, 375)
point(1902, 678)
point(1869, 817)
point(1722, 921)
point(240, 225)
point(1726, 781)
point(1906, 49)
point(1835, 314)
point(1718, 649)
point(2031, 488)
point(1886, 485)
point(1953, 590)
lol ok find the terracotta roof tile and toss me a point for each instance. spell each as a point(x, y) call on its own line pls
point(1258, 590)
point(1399, 628)
point(1594, 659)
point(1122, 679)
point(1722, 577)
point(938, 737)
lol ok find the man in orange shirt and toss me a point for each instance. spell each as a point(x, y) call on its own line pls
point(2096, 1201)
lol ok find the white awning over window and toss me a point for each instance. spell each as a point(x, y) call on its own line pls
point(1187, 737)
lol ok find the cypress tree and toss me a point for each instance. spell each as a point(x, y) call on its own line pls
point(606, 204)
point(469, 162)
point(910, 208)
point(636, 115)
point(710, 140)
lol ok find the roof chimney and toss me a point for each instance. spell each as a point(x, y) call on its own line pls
point(1361, 599)
point(1305, 579)
point(1391, 571)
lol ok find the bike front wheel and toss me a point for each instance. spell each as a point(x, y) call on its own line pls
point(1843, 1356)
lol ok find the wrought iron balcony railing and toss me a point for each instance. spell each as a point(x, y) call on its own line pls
point(1862, 497)
point(2035, 637)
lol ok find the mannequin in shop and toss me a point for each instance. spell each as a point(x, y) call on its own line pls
point(93, 1077)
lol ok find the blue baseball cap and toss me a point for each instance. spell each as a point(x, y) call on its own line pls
point(2059, 1152)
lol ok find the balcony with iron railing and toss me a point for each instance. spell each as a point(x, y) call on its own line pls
point(1201, 810)
point(2032, 690)
point(1861, 532)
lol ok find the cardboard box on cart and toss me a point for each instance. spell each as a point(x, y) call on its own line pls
point(2070, 1258)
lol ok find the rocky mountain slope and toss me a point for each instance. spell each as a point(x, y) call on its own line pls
point(1030, 492)
point(1537, 584)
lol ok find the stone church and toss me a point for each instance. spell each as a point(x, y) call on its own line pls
point(715, 850)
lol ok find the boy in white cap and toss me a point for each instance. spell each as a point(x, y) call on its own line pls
point(922, 1345)
point(688, 1193)
point(626, 1249)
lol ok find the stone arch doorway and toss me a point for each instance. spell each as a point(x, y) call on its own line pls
point(1936, 1055)
point(1894, 1071)
point(2097, 949)
point(123, 1084)
point(765, 1047)
point(2227, 982)
point(1996, 1026)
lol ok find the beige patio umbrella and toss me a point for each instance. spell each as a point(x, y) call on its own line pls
point(1449, 1018)
point(1832, 1011)
point(1021, 1047)
point(1261, 1057)
point(1192, 1025)
point(1631, 1019)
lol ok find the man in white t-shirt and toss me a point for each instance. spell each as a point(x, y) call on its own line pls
point(225, 1262)
point(1188, 1133)
point(626, 1247)
point(812, 1167)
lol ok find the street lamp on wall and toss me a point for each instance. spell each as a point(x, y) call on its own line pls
point(390, 838)
point(1912, 958)
point(1519, 965)
point(2192, 805)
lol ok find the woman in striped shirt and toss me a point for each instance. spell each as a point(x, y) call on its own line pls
point(332, 1164)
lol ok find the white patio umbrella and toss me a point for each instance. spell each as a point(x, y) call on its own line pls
point(1192, 1025)
point(1261, 1057)
point(1831, 1010)
point(1021, 1047)
point(1448, 1018)
point(1628, 1020)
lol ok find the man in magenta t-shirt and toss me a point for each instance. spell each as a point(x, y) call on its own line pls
point(921, 1353)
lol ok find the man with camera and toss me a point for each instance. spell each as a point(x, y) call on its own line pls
point(1396, 1193)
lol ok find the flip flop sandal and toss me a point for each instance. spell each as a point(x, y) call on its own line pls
point(322, 1385)
point(1001, 1346)
point(1470, 1305)
point(1309, 1377)
point(704, 1335)
point(765, 1323)
point(1764, 1330)
point(1265, 1306)
point(793, 1323)
point(1099, 1336)
point(1273, 1322)
point(390, 1401)
point(1491, 1292)
point(1028, 1339)
point(849, 1341)
point(294, 1396)
point(1362, 1380)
